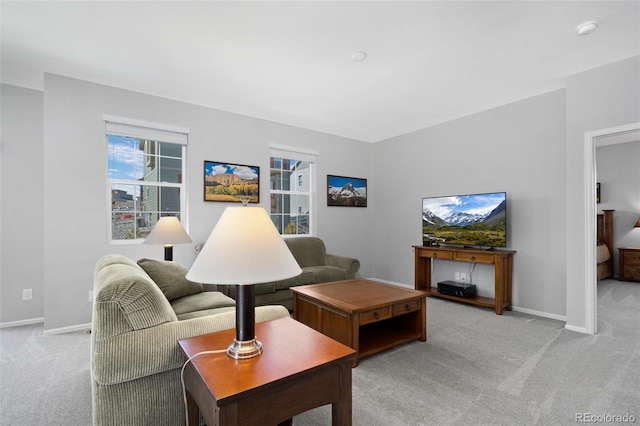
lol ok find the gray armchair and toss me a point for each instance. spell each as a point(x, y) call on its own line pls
point(135, 357)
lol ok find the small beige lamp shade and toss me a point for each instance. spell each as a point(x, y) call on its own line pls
point(168, 231)
point(637, 225)
point(244, 249)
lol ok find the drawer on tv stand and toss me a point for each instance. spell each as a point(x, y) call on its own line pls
point(436, 254)
point(473, 257)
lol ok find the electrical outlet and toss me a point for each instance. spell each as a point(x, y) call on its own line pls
point(27, 294)
point(463, 277)
point(457, 276)
point(90, 296)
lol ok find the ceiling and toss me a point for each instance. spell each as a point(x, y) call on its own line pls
point(290, 62)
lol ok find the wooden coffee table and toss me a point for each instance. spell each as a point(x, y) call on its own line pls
point(300, 369)
point(366, 315)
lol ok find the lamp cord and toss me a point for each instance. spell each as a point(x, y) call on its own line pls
point(184, 389)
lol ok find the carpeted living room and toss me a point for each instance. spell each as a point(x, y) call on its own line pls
point(476, 368)
point(382, 212)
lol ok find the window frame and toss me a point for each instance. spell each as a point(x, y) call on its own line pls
point(296, 154)
point(159, 133)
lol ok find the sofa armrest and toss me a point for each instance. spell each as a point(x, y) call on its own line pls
point(141, 353)
point(350, 264)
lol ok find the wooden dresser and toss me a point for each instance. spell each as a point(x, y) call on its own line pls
point(629, 264)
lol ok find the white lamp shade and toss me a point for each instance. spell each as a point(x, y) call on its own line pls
point(168, 230)
point(244, 248)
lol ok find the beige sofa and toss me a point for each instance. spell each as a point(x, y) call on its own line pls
point(135, 358)
point(317, 265)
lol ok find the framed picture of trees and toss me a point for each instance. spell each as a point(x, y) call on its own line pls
point(231, 182)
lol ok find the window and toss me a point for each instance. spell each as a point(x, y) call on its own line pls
point(145, 170)
point(292, 178)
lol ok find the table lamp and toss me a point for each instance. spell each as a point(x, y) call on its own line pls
point(168, 231)
point(637, 225)
point(244, 249)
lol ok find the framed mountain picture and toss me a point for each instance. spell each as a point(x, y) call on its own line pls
point(345, 191)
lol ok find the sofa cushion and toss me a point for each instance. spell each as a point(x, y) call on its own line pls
point(308, 251)
point(170, 277)
point(281, 297)
point(206, 312)
point(325, 274)
point(306, 277)
point(262, 288)
point(200, 302)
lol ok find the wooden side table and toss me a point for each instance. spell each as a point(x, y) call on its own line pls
point(300, 369)
point(629, 264)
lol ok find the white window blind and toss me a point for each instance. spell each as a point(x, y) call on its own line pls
point(300, 154)
point(145, 130)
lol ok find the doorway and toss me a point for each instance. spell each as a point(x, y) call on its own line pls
point(609, 135)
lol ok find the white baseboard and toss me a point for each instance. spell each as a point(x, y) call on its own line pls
point(582, 330)
point(390, 282)
point(515, 308)
point(21, 322)
point(540, 313)
point(69, 329)
point(61, 330)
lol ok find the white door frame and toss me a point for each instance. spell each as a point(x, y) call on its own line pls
point(591, 293)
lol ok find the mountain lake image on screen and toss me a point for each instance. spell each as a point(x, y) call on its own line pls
point(474, 220)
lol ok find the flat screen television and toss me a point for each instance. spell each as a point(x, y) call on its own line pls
point(474, 220)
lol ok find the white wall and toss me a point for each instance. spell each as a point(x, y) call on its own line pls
point(618, 171)
point(533, 149)
point(21, 225)
point(75, 192)
point(517, 148)
point(601, 98)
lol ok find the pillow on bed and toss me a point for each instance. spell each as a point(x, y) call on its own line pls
point(602, 253)
point(170, 277)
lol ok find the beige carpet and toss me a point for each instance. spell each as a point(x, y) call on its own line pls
point(476, 368)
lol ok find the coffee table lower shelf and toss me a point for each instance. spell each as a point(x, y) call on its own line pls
point(378, 337)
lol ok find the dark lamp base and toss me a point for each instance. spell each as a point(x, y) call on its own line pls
point(245, 344)
point(168, 253)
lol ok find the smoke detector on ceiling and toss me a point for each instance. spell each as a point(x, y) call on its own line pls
point(587, 28)
point(358, 56)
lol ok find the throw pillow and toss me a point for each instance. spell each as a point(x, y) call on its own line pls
point(170, 277)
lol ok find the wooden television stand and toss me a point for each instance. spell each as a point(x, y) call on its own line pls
point(502, 261)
